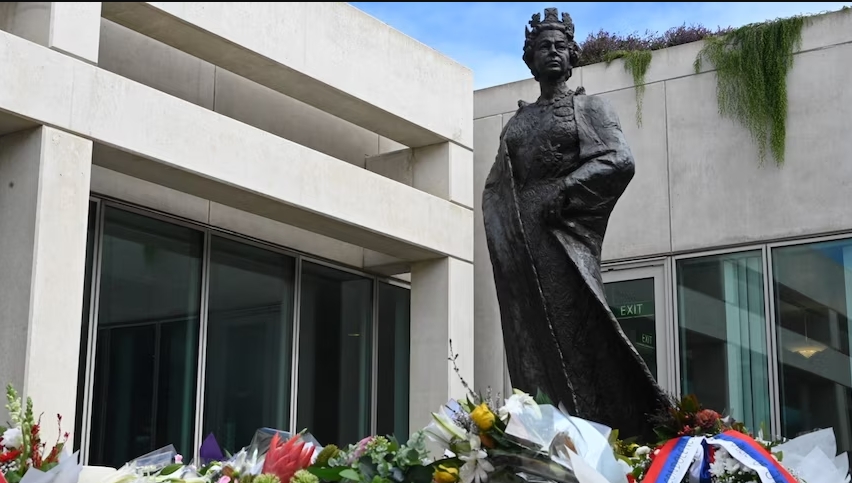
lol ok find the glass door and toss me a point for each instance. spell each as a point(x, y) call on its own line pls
point(637, 298)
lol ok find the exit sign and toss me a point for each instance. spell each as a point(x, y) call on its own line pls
point(646, 340)
point(636, 309)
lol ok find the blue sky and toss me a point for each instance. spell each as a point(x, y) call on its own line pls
point(488, 36)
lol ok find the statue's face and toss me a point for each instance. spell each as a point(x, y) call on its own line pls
point(551, 55)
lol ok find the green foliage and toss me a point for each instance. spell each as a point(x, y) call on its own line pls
point(328, 452)
point(636, 63)
point(751, 64)
point(542, 398)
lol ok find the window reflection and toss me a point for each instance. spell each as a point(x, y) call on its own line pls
point(84, 331)
point(632, 303)
point(393, 364)
point(249, 346)
point(335, 354)
point(723, 334)
point(148, 313)
point(813, 300)
point(147, 338)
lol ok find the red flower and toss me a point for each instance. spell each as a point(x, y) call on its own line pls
point(631, 478)
point(9, 456)
point(284, 460)
point(707, 418)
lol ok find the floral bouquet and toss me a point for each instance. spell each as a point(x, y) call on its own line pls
point(698, 445)
point(23, 455)
point(264, 461)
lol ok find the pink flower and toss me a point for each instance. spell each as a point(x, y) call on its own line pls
point(178, 459)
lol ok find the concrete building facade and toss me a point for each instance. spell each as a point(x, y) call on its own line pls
point(234, 196)
point(201, 199)
point(733, 279)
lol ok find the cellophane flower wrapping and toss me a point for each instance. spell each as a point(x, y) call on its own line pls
point(140, 469)
point(67, 471)
point(812, 457)
point(574, 443)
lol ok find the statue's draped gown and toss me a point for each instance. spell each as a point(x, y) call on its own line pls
point(560, 335)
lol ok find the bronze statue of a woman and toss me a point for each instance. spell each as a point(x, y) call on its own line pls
point(561, 167)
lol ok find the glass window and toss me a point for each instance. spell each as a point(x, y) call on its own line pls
point(147, 338)
point(722, 328)
point(84, 332)
point(335, 354)
point(813, 300)
point(392, 372)
point(632, 302)
point(249, 342)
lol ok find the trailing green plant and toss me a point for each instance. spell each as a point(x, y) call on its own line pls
point(636, 63)
point(751, 64)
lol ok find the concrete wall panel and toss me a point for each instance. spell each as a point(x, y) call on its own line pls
point(264, 108)
point(143, 59)
point(640, 222)
point(720, 195)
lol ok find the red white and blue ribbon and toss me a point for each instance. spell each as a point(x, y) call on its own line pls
point(700, 471)
point(674, 460)
point(693, 455)
point(750, 453)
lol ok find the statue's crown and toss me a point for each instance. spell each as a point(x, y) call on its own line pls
point(551, 16)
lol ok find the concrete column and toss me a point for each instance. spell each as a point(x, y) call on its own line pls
point(441, 310)
point(441, 291)
point(70, 27)
point(44, 195)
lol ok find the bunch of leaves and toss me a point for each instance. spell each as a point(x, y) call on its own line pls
point(751, 64)
point(377, 459)
point(31, 453)
point(636, 63)
point(687, 417)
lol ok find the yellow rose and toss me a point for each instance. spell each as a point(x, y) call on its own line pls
point(445, 474)
point(483, 417)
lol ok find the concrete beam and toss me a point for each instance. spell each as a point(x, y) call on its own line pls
point(194, 150)
point(345, 62)
point(444, 170)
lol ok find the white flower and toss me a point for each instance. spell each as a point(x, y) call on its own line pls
point(441, 433)
point(517, 403)
point(444, 428)
point(642, 450)
point(476, 466)
point(13, 438)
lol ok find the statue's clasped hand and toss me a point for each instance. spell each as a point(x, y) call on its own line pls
point(555, 209)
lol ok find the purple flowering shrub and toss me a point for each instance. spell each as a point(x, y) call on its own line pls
point(597, 45)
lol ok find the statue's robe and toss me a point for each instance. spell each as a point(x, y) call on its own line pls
point(560, 334)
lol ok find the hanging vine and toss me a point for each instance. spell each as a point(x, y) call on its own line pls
point(636, 63)
point(751, 64)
